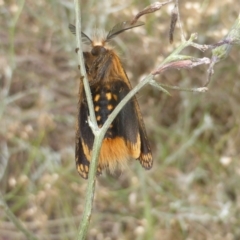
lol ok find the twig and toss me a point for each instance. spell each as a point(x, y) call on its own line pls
point(174, 18)
point(224, 47)
point(15, 220)
point(82, 66)
point(82, 232)
point(199, 89)
point(180, 22)
point(187, 64)
point(149, 9)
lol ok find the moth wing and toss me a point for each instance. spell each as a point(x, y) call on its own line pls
point(84, 137)
point(132, 127)
point(146, 154)
point(82, 161)
point(128, 126)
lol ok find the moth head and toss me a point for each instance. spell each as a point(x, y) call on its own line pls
point(117, 29)
point(98, 50)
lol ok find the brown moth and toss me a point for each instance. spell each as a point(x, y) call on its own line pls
point(126, 137)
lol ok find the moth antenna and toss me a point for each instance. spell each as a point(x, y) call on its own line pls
point(72, 28)
point(85, 38)
point(121, 27)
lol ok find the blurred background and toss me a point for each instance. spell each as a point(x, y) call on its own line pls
point(193, 190)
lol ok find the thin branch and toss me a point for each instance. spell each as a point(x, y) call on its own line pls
point(173, 56)
point(174, 18)
point(186, 64)
point(83, 228)
point(180, 22)
point(149, 9)
point(224, 47)
point(15, 220)
point(82, 66)
point(199, 89)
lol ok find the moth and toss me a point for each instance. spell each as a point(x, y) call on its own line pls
point(126, 137)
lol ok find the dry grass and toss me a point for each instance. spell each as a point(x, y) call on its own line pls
point(192, 192)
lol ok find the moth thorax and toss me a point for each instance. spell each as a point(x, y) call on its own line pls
point(105, 100)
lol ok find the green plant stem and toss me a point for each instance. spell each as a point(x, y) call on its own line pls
point(174, 55)
point(90, 187)
point(15, 220)
point(147, 206)
point(82, 66)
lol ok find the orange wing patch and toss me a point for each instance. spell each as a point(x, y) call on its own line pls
point(115, 152)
